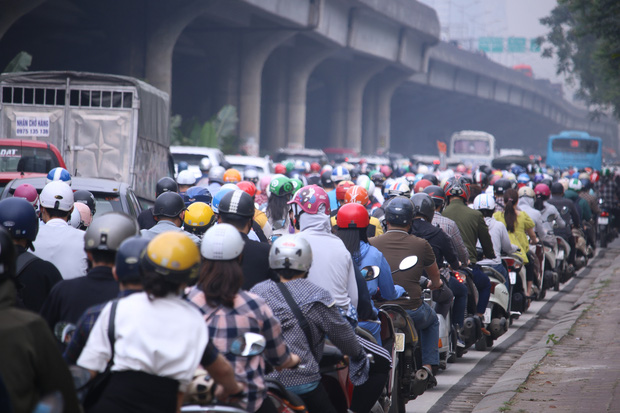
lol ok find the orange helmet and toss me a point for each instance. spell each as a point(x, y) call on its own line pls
point(342, 188)
point(356, 195)
point(232, 176)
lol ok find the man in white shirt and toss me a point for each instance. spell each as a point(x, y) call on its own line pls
point(57, 241)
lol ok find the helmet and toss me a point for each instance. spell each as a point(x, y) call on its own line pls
point(29, 193)
point(430, 177)
point(165, 184)
point(290, 165)
point(18, 219)
point(197, 194)
point(168, 204)
point(557, 188)
point(342, 188)
point(352, 216)
point(386, 171)
point(587, 185)
point(279, 168)
point(398, 188)
point(57, 195)
point(297, 183)
point(526, 191)
point(365, 182)
point(542, 190)
point(484, 201)
point(80, 216)
point(263, 183)
point(218, 198)
point(107, 231)
point(205, 164)
point(232, 175)
point(456, 187)
point(399, 211)
point(378, 178)
point(523, 178)
point(575, 184)
point(198, 218)
point(595, 177)
point(7, 255)
point(127, 262)
point(437, 194)
point(59, 174)
point(182, 166)
point(326, 179)
point(250, 174)
point(423, 205)
point(481, 178)
point(356, 195)
point(421, 184)
point(237, 203)
point(186, 177)
point(281, 186)
point(311, 199)
point(290, 252)
point(501, 185)
point(216, 174)
point(517, 169)
point(247, 187)
point(340, 173)
point(422, 169)
point(315, 167)
point(87, 198)
point(172, 255)
point(222, 242)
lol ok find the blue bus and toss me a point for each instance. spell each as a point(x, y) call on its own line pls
point(575, 149)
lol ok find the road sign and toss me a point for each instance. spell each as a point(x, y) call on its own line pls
point(516, 44)
point(491, 44)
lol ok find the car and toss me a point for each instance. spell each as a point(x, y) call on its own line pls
point(193, 155)
point(262, 165)
point(309, 155)
point(26, 158)
point(109, 195)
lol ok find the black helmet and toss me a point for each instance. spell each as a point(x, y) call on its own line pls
point(423, 205)
point(432, 178)
point(127, 264)
point(557, 188)
point(399, 211)
point(481, 178)
point(436, 193)
point(169, 204)
point(85, 197)
point(166, 184)
point(107, 231)
point(455, 186)
point(21, 222)
point(238, 203)
point(501, 185)
point(7, 255)
point(378, 178)
point(326, 179)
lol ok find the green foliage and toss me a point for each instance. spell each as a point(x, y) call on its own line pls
point(218, 132)
point(552, 338)
point(585, 40)
point(20, 63)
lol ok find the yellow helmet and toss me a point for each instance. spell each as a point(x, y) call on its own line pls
point(172, 255)
point(198, 218)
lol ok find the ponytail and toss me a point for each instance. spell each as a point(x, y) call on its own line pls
point(510, 213)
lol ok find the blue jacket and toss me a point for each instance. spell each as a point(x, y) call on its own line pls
point(369, 255)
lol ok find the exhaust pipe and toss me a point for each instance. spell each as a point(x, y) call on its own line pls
point(498, 327)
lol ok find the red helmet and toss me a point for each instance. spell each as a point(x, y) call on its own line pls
point(342, 188)
point(27, 191)
point(247, 187)
point(595, 176)
point(352, 216)
point(311, 199)
point(315, 167)
point(542, 190)
point(279, 169)
point(356, 195)
point(421, 184)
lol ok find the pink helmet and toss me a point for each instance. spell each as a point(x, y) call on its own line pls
point(28, 192)
point(312, 199)
point(264, 182)
point(80, 217)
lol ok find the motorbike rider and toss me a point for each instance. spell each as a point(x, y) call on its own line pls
point(526, 204)
point(57, 241)
point(33, 276)
point(216, 178)
point(280, 192)
point(146, 220)
point(396, 244)
point(70, 298)
point(543, 193)
point(339, 174)
point(499, 188)
point(185, 180)
point(583, 207)
point(151, 370)
point(609, 191)
point(33, 367)
point(570, 217)
point(230, 311)
point(205, 167)
point(169, 212)
point(199, 217)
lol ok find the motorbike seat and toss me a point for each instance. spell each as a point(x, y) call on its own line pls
point(548, 244)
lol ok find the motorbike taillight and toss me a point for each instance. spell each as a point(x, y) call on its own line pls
point(509, 262)
point(493, 287)
point(604, 213)
point(459, 277)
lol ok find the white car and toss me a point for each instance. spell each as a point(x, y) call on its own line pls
point(193, 154)
point(262, 165)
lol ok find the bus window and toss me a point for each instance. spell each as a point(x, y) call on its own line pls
point(471, 146)
point(575, 145)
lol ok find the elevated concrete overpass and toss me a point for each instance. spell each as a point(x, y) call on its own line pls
point(363, 74)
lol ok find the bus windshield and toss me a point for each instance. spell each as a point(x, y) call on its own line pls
point(471, 147)
point(574, 145)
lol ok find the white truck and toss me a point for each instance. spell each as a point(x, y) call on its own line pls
point(471, 148)
point(105, 126)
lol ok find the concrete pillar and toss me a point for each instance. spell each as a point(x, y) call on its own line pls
point(338, 122)
point(385, 91)
point(274, 100)
point(369, 119)
point(256, 47)
point(12, 10)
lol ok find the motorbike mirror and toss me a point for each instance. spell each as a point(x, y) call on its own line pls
point(565, 210)
point(64, 331)
point(370, 272)
point(551, 217)
point(408, 262)
point(249, 344)
point(555, 224)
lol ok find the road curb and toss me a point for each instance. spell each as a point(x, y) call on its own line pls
point(507, 385)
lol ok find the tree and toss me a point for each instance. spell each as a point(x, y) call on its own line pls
point(218, 132)
point(584, 37)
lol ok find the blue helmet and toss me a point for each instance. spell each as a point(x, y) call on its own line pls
point(18, 219)
point(218, 198)
point(59, 174)
point(518, 169)
point(523, 178)
point(197, 194)
point(127, 264)
point(182, 166)
point(340, 173)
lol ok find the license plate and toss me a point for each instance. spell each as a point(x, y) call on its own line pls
point(487, 316)
point(400, 342)
point(560, 255)
point(513, 277)
point(603, 220)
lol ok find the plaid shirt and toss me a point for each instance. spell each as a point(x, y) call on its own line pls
point(84, 326)
point(608, 190)
point(592, 201)
point(450, 228)
point(249, 314)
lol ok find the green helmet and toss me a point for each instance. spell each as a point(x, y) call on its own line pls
point(289, 166)
point(297, 183)
point(281, 186)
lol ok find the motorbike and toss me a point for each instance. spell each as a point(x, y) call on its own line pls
point(517, 285)
point(562, 267)
point(497, 312)
point(604, 221)
point(581, 248)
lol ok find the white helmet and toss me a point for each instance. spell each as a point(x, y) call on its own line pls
point(57, 195)
point(186, 177)
point(484, 201)
point(365, 182)
point(221, 242)
point(290, 252)
point(205, 164)
point(58, 174)
point(575, 184)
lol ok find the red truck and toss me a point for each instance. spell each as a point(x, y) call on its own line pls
point(27, 158)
